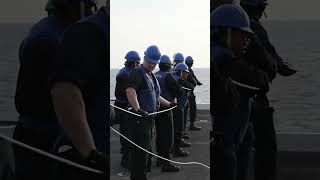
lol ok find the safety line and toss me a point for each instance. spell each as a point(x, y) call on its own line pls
point(154, 113)
point(54, 157)
point(244, 85)
point(175, 162)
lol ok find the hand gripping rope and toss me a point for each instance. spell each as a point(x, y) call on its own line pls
point(181, 163)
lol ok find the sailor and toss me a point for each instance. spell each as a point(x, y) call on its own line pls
point(143, 94)
point(37, 124)
point(80, 92)
point(192, 98)
point(177, 58)
point(262, 112)
point(180, 74)
point(164, 121)
point(235, 83)
point(132, 61)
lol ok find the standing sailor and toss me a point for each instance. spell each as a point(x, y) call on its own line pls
point(164, 121)
point(37, 125)
point(180, 74)
point(80, 94)
point(132, 61)
point(262, 112)
point(230, 99)
point(143, 94)
point(192, 97)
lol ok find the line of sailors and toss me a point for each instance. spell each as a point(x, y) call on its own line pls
point(136, 84)
point(243, 129)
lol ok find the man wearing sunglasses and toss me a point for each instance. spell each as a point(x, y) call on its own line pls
point(37, 124)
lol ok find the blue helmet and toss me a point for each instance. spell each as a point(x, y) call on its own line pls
point(181, 67)
point(189, 60)
point(152, 54)
point(164, 59)
point(254, 3)
point(132, 56)
point(58, 4)
point(178, 57)
point(230, 16)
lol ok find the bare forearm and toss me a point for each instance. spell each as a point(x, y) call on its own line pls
point(70, 110)
point(132, 98)
point(164, 102)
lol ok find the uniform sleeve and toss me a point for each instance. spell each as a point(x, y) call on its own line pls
point(79, 58)
point(135, 80)
point(173, 86)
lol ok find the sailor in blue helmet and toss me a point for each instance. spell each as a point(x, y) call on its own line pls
point(192, 98)
point(143, 94)
point(235, 83)
point(177, 58)
point(180, 74)
point(132, 61)
point(262, 112)
point(164, 122)
point(37, 124)
point(80, 94)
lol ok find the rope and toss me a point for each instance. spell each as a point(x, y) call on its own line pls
point(186, 88)
point(54, 157)
point(176, 162)
point(154, 113)
point(244, 85)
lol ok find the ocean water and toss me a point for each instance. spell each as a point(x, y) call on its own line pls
point(202, 92)
point(296, 98)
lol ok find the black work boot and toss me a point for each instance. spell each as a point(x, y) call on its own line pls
point(185, 144)
point(179, 152)
point(194, 127)
point(168, 167)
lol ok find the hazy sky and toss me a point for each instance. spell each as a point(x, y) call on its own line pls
point(172, 25)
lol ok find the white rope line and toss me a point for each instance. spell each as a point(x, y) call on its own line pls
point(181, 163)
point(125, 110)
point(186, 88)
point(154, 113)
point(244, 85)
point(159, 112)
point(54, 157)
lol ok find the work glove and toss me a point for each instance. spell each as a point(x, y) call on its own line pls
point(143, 113)
point(98, 160)
point(285, 70)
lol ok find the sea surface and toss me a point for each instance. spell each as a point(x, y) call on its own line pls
point(296, 98)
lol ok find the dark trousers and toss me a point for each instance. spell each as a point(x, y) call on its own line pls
point(28, 164)
point(185, 117)
point(265, 139)
point(122, 118)
point(193, 108)
point(141, 133)
point(178, 124)
point(232, 153)
point(164, 130)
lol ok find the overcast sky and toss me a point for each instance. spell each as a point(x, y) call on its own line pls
point(173, 25)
